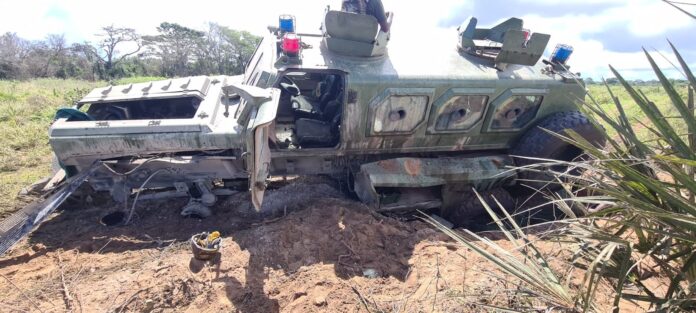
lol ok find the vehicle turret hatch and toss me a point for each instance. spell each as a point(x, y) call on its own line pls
point(506, 43)
point(354, 34)
point(190, 86)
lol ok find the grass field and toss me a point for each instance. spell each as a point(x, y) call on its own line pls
point(653, 92)
point(27, 109)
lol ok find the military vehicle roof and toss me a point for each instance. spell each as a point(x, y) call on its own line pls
point(431, 58)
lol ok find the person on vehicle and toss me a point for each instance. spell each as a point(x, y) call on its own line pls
point(368, 7)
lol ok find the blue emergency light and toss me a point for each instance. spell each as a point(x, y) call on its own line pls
point(561, 54)
point(286, 23)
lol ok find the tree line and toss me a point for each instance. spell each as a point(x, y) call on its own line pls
point(635, 82)
point(175, 50)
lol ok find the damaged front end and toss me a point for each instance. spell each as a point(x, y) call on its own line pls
point(182, 135)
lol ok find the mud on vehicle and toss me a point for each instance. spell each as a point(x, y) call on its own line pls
point(407, 127)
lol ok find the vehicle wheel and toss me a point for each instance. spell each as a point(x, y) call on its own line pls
point(468, 208)
point(538, 143)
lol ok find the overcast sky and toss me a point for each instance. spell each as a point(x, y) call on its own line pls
point(601, 31)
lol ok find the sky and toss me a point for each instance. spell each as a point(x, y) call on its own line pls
point(602, 32)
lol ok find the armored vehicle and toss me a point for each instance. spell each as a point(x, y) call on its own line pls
point(406, 126)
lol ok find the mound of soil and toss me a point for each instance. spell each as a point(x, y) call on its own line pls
point(316, 251)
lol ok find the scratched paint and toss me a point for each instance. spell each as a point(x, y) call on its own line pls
point(395, 107)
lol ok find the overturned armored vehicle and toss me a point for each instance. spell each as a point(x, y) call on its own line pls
point(406, 128)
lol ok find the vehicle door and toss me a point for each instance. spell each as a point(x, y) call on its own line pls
point(259, 107)
point(259, 161)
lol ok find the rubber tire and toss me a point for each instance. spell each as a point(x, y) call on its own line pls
point(471, 210)
point(538, 143)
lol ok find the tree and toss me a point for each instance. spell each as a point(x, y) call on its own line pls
point(176, 51)
point(84, 61)
point(227, 50)
point(242, 44)
point(52, 57)
point(13, 51)
point(177, 47)
point(184, 51)
point(107, 50)
point(56, 56)
point(612, 81)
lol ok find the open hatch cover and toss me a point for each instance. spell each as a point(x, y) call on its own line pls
point(193, 86)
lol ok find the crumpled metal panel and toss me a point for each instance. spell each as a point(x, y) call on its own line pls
point(415, 177)
point(23, 222)
point(480, 172)
point(109, 146)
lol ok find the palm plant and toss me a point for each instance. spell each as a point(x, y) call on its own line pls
point(652, 187)
point(543, 286)
point(646, 220)
point(675, 5)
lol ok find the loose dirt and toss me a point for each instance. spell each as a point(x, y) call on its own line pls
point(311, 250)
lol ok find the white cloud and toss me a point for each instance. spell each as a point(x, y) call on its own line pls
point(81, 20)
point(641, 18)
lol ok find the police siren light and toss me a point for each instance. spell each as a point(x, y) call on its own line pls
point(286, 23)
point(291, 44)
point(561, 54)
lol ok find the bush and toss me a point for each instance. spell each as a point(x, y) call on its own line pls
point(638, 200)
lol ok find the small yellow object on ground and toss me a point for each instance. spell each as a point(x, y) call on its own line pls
point(214, 235)
point(205, 245)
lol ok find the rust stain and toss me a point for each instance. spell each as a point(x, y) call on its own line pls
point(412, 166)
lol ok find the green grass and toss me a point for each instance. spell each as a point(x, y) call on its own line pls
point(653, 92)
point(26, 111)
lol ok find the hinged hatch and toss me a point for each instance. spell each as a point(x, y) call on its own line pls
point(193, 86)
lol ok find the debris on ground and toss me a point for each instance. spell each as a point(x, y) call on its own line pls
point(205, 246)
point(318, 252)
